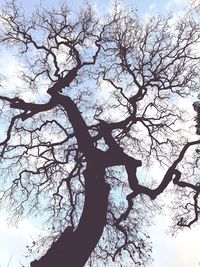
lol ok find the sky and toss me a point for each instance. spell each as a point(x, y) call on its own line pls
point(179, 251)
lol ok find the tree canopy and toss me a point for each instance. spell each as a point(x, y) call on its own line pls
point(99, 106)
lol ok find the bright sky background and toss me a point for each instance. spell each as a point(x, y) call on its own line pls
point(181, 251)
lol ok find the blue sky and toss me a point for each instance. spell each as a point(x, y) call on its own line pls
point(144, 6)
point(181, 251)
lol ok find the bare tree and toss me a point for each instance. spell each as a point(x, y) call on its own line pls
point(105, 110)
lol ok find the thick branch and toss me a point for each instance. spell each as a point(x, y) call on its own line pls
point(93, 219)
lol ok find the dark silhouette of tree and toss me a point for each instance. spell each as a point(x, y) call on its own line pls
point(78, 158)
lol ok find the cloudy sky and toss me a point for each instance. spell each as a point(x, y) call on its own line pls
point(180, 251)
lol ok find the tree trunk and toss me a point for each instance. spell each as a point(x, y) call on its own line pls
point(73, 249)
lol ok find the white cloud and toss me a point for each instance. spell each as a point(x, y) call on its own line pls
point(152, 6)
point(9, 67)
point(14, 241)
point(11, 82)
point(179, 1)
point(182, 250)
point(174, 4)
